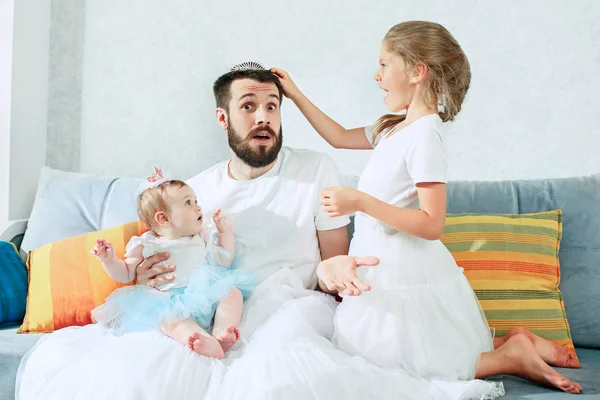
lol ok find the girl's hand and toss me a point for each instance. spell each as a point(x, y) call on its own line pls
point(289, 87)
point(340, 200)
point(221, 223)
point(104, 250)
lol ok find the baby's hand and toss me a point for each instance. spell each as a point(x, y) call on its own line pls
point(221, 223)
point(103, 250)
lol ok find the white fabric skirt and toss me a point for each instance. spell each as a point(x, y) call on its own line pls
point(285, 352)
point(421, 314)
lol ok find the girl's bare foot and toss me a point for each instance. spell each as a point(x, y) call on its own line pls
point(205, 346)
point(524, 361)
point(550, 352)
point(228, 337)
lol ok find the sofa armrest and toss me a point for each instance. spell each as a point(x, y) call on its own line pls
point(10, 229)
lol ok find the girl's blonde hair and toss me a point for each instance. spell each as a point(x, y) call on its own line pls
point(449, 73)
point(152, 200)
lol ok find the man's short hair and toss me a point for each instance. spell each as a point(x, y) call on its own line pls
point(222, 86)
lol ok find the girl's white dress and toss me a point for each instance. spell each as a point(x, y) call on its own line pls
point(421, 314)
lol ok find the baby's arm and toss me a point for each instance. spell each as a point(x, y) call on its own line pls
point(226, 239)
point(120, 270)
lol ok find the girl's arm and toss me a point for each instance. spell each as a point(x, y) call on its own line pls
point(120, 270)
point(335, 134)
point(427, 223)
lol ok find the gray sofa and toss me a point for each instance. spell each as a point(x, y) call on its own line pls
point(579, 198)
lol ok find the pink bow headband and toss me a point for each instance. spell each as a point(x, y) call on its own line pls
point(156, 179)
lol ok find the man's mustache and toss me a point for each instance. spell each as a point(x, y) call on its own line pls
point(256, 131)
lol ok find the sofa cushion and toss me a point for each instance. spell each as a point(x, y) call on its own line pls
point(511, 262)
point(13, 284)
point(586, 376)
point(579, 200)
point(12, 349)
point(66, 281)
point(69, 204)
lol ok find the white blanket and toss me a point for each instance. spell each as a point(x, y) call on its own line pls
point(285, 352)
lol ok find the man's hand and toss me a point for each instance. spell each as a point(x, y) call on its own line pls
point(340, 200)
point(339, 274)
point(149, 274)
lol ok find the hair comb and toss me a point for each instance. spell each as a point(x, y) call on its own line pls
point(248, 65)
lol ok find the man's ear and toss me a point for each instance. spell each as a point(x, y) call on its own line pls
point(222, 117)
point(161, 218)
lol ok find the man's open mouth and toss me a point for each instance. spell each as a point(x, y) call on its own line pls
point(262, 136)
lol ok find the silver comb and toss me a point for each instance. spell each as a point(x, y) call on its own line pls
point(248, 65)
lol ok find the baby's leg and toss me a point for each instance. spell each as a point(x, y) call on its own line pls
point(227, 318)
point(189, 333)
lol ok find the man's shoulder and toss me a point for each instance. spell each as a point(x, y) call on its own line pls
point(213, 173)
point(308, 161)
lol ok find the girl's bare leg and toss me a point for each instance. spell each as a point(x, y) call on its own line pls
point(550, 352)
point(517, 356)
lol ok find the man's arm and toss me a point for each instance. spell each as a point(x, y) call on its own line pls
point(332, 243)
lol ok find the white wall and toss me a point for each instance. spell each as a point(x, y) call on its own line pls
point(29, 101)
point(67, 39)
point(148, 69)
point(6, 42)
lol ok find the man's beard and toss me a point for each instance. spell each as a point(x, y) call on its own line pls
point(254, 157)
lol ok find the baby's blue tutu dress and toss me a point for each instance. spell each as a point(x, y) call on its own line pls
point(199, 286)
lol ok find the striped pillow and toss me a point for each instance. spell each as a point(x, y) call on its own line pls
point(66, 282)
point(511, 261)
point(13, 284)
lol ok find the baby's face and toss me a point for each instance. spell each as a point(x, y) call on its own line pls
point(184, 212)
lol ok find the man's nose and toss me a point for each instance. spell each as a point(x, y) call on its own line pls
point(262, 116)
point(377, 77)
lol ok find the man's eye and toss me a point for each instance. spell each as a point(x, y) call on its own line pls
point(188, 203)
point(271, 108)
point(247, 107)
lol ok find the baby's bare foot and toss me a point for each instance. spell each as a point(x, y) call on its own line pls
point(228, 337)
point(205, 346)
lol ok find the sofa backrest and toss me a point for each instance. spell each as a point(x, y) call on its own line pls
point(69, 204)
point(579, 200)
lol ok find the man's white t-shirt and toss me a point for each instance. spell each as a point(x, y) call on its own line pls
point(275, 217)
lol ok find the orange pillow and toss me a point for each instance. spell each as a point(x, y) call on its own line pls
point(66, 282)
